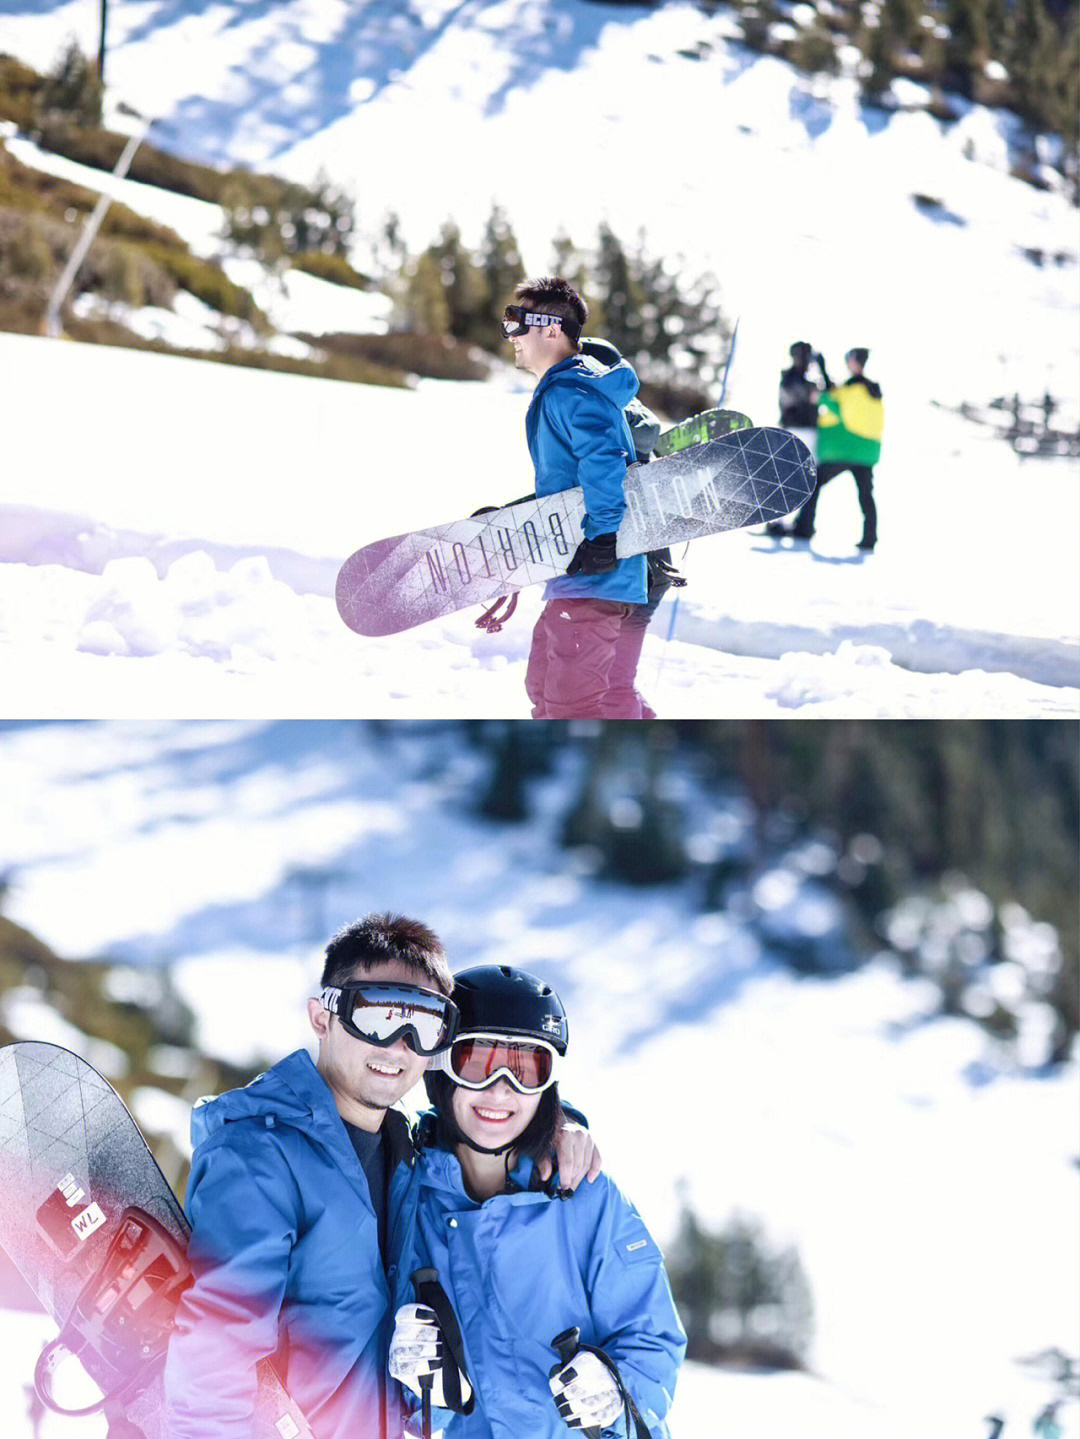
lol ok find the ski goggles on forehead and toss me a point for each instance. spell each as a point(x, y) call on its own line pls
point(381, 1013)
point(478, 1060)
point(518, 321)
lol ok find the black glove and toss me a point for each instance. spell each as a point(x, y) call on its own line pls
point(594, 557)
point(662, 574)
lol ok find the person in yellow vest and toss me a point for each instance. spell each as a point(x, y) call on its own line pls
point(850, 422)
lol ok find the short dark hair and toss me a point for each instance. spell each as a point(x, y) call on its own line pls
point(535, 1141)
point(552, 295)
point(381, 938)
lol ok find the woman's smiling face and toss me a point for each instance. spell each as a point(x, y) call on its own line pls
point(494, 1116)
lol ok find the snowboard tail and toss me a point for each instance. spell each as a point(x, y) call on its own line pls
point(746, 477)
point(91, 1223)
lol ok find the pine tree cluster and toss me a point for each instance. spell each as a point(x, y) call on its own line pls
point(666, 321)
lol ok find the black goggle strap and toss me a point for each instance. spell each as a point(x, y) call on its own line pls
point(516, 321)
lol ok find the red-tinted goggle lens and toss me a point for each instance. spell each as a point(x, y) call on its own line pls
point(477, 1062)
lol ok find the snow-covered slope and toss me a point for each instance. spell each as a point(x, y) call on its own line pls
point(172, 530)
point(929, 1185)
point(797, 197)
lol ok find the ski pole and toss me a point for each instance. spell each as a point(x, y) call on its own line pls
point(566, 1346)
point(420, 1278)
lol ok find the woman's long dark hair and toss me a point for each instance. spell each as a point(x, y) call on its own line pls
point(537, 1139)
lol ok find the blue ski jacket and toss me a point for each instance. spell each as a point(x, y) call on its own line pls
point(520, 1268)
point(578, 435)
point(286, 1255)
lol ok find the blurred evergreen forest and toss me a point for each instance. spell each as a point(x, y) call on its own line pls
point(916, 813)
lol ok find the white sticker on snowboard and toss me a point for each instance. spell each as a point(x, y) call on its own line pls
point(85, 1223)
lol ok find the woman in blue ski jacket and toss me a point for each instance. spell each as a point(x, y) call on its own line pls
point(518, 1263)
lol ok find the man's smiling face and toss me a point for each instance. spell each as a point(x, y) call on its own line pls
point(366, 1079)
point(532, 350)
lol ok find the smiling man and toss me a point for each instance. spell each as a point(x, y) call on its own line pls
point(578, 435)
point(300, 1201)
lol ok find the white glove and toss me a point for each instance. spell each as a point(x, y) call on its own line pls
point(417, 1348)
point(586, 1393)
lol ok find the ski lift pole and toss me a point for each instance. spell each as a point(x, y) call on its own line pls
point(52, 325)
point(719, 405)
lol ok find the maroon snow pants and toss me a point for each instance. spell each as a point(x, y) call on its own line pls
point(584, 658)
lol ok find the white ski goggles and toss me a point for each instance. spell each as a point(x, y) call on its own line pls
point(476, 1061)
point(380, 1013)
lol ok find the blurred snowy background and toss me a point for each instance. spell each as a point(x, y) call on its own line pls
point(821, 981)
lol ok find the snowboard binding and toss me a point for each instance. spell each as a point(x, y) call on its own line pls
point(122, 1319)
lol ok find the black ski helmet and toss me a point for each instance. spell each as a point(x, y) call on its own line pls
point(495, 999)
point(859, 354)
point(801, 349)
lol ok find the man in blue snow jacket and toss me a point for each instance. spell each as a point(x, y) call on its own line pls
point(578, 435)
point(299, 1201)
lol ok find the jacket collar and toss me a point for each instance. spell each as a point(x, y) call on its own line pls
point(440, 1170)
point(294, 1093)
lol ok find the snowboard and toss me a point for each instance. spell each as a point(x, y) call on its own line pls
point(747, 477)
point(709, 425)
point(88, 1218)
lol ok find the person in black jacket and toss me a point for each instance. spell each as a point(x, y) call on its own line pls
point(799, 404)
point(850, 423)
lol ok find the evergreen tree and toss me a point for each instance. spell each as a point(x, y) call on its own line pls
point(1035, 46)
point(425, 306)
point(966, 51)
point(894, 33)
point(568, 261)
point(616, 292)
point(501, 269)
point(736, 1298)
point(462, 283)
point(72, 90)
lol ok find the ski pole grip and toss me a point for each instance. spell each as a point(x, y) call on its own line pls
point(566, 1345)
point(421, 1278)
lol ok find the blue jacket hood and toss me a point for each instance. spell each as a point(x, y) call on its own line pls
point(617, 383)
point(293, 1093)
